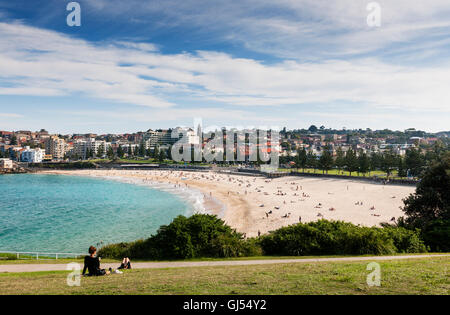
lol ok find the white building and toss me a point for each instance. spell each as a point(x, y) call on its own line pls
point(81, 146)
point(161, 137)
point(6, 164)
point(32, 155)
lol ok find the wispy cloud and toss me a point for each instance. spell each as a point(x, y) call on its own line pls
point(10, 115)
point(40, 62)
point(296, 29)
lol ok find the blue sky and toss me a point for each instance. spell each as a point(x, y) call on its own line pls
point(135, 65)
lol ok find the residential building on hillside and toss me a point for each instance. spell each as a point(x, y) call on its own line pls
point(56, 147)
point(6, 164)
point(153, 138)
point(32, 155)
point(81, 147)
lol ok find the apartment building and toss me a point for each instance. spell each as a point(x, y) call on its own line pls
point(32, 155)
point(81, 147)
point(56, 147)
point(153, 138)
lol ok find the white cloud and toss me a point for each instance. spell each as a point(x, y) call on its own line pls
point(40, 62)
point(10, 115)
point(297, 29)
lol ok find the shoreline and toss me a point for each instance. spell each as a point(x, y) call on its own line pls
point(254, 205)
point(218, 203)
point(188, 194)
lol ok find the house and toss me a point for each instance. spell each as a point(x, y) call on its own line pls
point(6, 164)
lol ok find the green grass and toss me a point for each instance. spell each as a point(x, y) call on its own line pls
point(412, 276)
point(98, 160)
point(379, 174)
point(107, 260)
point(47, 261)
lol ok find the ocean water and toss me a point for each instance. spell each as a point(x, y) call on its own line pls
point(67, 214)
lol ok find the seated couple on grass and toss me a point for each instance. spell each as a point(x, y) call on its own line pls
point(92, 264)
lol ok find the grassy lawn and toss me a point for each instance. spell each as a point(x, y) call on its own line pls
point(47, 261)
point(379, 174)
point(4, 261)
point(414, 276)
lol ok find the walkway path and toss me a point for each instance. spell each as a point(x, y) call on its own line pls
point(178, 264)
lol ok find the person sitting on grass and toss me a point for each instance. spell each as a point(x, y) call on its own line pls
point(92, 264)
point(126, 264)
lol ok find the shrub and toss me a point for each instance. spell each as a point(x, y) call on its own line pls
point(184, 238)
point(71, 165)
point(339, 238)
point(406, 241)
point(208, 236)
point(4, 256)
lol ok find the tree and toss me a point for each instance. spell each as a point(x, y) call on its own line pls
point(388, 162)
point(101, 150)
point(311, 160)
point(156, 153)
point(340, 159)
point(13, 140)
point(161, 156)
point(110, 153)
point(431, 200)
point(88, 154)
point(363, 163)
point(326, 161)
point(149, 153)
point(120, 152)
point(302, 159)
point(351, 161)
point(142, 149)
point(401, 167)
point(375, 161)
point(429, 207)
point(130, 151)
point(169, 155)
point(414, 161)
point(313, 128)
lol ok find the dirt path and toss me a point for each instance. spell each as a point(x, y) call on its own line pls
point(180, 264)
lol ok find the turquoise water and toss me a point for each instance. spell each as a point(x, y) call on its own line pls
point(55, 213)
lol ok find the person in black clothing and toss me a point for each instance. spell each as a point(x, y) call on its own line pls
point(126, 264)
point(92, 264)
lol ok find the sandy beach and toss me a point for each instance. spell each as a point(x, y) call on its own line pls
point(255, 205)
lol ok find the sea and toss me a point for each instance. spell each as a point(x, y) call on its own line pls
point(67, 214)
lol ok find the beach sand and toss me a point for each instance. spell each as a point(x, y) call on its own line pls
point(252, 204)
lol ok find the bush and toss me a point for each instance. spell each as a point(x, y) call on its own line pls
point(71, 165)
point(184, 238)
point(208, 236)
point(406, 241)
point(339, 238)
point(4, 256)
